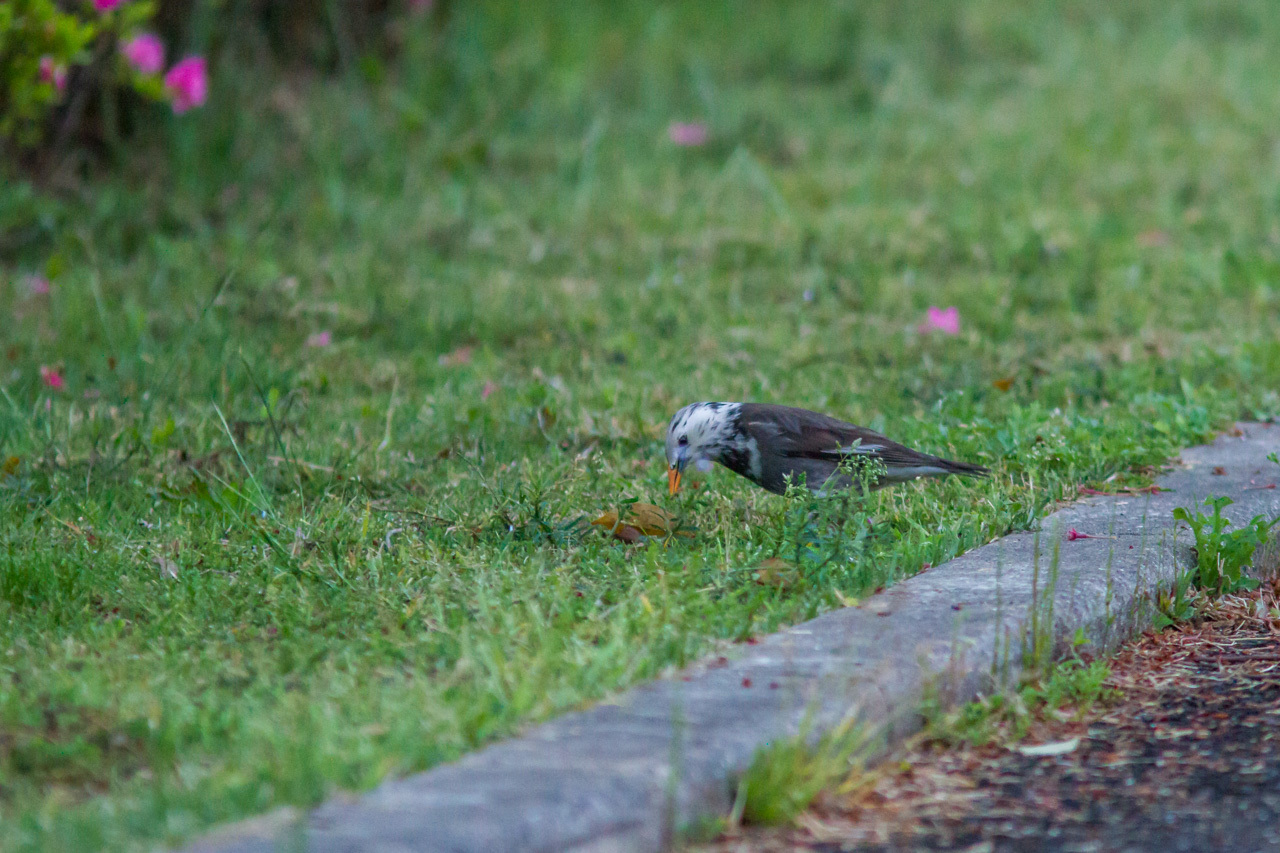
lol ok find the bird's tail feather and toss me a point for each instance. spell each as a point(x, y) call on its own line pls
point(967, 468)
point(929, 466)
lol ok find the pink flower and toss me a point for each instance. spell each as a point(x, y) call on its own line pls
point(320, 339)
point(188, 83)
point(145, 52)
point(1073, 535)
point(487, 391)
point(53, 72)
point(945, 320)
point(687, 134)
point(38, 285)
point(105, 5)
point(52, 377)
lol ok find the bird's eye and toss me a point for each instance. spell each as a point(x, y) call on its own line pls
point(684, 441)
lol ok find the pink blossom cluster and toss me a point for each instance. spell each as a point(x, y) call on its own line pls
point(52, 377)
point(186, 83)
point(145, 52)
point(688, 134)
point(944, 320)
point(53, 72)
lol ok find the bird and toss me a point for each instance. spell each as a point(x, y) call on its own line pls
point(773, 445)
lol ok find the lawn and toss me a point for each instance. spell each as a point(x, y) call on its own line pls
point(349, 364)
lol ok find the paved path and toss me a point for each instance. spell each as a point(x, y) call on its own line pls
point(625, 774)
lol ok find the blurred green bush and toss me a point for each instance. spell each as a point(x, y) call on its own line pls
point(66, 82)
point(40, 44)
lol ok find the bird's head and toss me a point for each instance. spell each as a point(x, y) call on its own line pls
point(698, 434)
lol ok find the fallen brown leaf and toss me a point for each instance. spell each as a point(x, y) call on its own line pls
point(168, 568)
point(628, 534)
point(640, 520)
point(777, 572)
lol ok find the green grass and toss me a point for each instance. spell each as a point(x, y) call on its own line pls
point(1071, 686)
point(786, 776)
point(380, 566)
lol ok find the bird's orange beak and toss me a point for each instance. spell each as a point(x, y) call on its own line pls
point(673, 480)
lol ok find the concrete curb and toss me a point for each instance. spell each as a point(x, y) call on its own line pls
point(625, 774)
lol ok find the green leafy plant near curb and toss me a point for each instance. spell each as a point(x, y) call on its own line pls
point(1221, 556)
point(1074, 682)
point(785, 776)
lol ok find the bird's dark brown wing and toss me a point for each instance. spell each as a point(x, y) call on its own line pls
point(800, 433)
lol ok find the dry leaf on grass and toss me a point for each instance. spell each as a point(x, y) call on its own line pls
point(640, 520)
point(168, 568)
point(625, 532)
point(777, 572)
